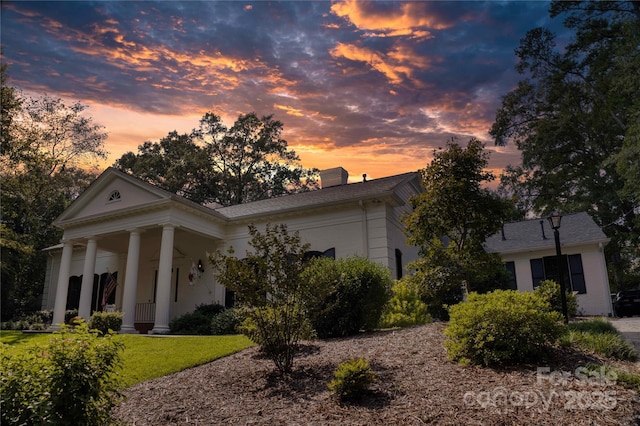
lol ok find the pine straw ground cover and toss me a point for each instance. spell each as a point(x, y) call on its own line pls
point(415, 385)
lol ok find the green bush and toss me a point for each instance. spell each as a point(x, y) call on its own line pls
point(70, 315)
point(593, 326)
point(501, 327)
point(550, 291)
point(350, 295)
point(277, 329)
point(405, 307)
point(71, 381)
point(210, 309)
point(226, 322)
point(105, 322)
point(25, 379)
point(352, 379)
point(269, 291)
point(191, 323)
point(197, 322)
point(600, 337)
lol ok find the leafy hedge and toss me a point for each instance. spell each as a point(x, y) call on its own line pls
point(501, 327)
point(71, 381)
point(106, 322)
point(550, 290)
point(197, 322)
point(350, 295)
point(405, 307)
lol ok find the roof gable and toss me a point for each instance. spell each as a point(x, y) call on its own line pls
point(537, 234)
point(116, 192)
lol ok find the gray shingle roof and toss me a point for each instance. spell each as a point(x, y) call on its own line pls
point(575, 229)
point(376, 188)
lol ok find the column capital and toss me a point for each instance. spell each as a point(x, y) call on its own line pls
point(135, 230)
point(169, 225)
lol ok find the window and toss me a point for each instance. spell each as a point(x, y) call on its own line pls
point(114, 196)
point(330, 253)
point(229, 298)
point(537, 271)
point(547, 269)
point(511, 267)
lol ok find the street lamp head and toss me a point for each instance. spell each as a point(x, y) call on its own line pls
point(554, 220)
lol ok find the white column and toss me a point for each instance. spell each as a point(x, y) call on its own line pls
point(86, 291)
point(131, 283)
point(163, 293)
point(62, 288)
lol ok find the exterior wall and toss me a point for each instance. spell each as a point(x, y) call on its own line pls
point(596, 301)
point(185, 296)
point(105, 262)
point(370, 229)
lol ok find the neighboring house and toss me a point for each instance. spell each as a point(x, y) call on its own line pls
point(154, 243)
point(529, 251)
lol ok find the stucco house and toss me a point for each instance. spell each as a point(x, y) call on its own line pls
point(154, 243)
point(529, 251)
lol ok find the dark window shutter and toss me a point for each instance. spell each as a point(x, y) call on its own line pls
point(537, 271)
point(511, 267)
point(577, 274)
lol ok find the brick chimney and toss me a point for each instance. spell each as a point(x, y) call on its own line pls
point(333, 177)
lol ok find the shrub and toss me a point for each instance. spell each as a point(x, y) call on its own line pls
point(277, 329)
point(269, 290)
point(69, 315)
point(210, 310)
point(226, 322)
point(350, 295)
point(405, 307)
point(39, 320)
point(106, 322)
point(24, 387)
point(500, 327)
point(71, 381)
point(550, 291)
point(352, 379)
point(191, 323)
point(600, 337)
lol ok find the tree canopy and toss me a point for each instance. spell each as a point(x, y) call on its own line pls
point(248, 161)
point(575, 116)
point(43, 144)
point(449, 223)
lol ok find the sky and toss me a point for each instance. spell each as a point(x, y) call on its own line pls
point(373, 87)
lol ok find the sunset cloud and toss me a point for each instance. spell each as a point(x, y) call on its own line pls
point(370, 86)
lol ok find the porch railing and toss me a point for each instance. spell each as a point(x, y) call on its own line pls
point(145, 312)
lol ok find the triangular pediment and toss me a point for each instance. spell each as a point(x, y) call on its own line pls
point(113, 191)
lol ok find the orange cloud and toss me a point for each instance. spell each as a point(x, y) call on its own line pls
point(399, 21)
point(289, 110)
point(397, 65)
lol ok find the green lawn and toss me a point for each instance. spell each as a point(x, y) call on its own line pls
point(148, 357)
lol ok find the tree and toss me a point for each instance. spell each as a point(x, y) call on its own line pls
point(45, 143)
point(175, 163)
point(451, 220)
point(247, 162)
point(574, 117)
point(270, 294)
point(10, 104)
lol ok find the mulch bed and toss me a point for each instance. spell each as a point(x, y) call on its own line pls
point(415, 385)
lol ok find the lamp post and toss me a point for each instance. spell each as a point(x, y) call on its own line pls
point(554, 220)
